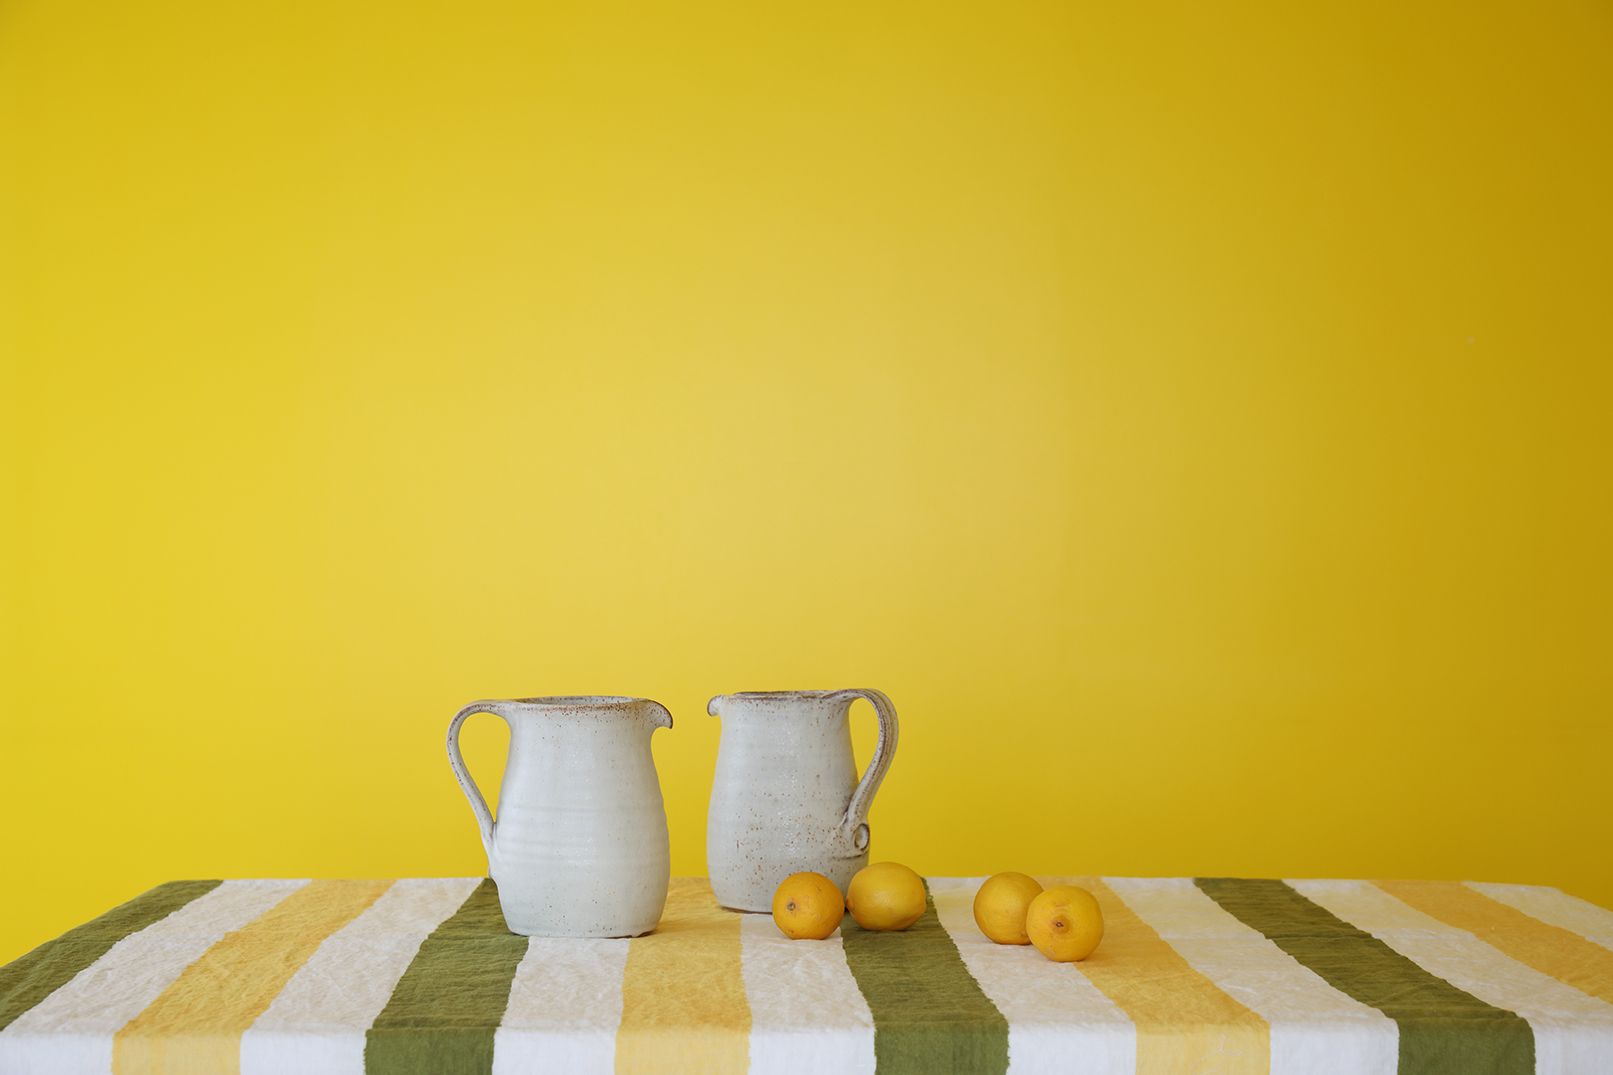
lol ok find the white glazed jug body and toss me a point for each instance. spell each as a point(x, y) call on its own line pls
point(786, 797)
point(579, 847)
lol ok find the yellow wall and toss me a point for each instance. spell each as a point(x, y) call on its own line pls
point(1195, 416)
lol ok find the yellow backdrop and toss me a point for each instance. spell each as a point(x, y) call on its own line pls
point(1194, 416)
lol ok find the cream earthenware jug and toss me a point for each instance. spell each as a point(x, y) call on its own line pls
point(786, 797)
point(579, 848)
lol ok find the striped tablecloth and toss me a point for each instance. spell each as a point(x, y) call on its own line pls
point(1194, 976)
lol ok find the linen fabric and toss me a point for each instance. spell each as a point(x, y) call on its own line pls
point(1194, 975)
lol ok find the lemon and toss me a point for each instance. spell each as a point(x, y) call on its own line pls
point(1000, 906)
point(1065, 923)
point(886, 895)
point(807, 906)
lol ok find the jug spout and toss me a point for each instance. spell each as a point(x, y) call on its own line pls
point(658, 714)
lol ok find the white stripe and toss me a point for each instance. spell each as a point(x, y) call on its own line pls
point(565, 1006)
point(316, 1025)
point(1058, 1021)
point(1315, 1029)
point(1555, 908)
point(1573, 1031)
point(807, 1014)
point(71, 1030)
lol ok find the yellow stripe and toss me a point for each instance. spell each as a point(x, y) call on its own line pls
point(682, 994)
point(195, 1025)
point(1551, 950)
point(1184, 1021)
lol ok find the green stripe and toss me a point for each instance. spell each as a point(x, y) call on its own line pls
point(29, 979)
point(1443, 1030)
point(930, 1015)
point(448, 1004)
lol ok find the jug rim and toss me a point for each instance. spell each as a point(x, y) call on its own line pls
point(782, 694)
point(579, 699)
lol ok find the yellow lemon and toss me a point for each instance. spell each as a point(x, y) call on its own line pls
point(807, 906)
point(886, 895)
point(1000, 906)
point(1065, 923)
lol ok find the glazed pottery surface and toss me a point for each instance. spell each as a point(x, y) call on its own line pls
point(580, 845)
point(786, 797)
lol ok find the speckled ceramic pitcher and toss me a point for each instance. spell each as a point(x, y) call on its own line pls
point(786, 797)
point(580, 845)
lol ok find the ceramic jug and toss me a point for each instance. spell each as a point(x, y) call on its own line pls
point(786, 797)
point(579, 848)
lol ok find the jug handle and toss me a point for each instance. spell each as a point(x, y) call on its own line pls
point(478, 805)
point(856, 819)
